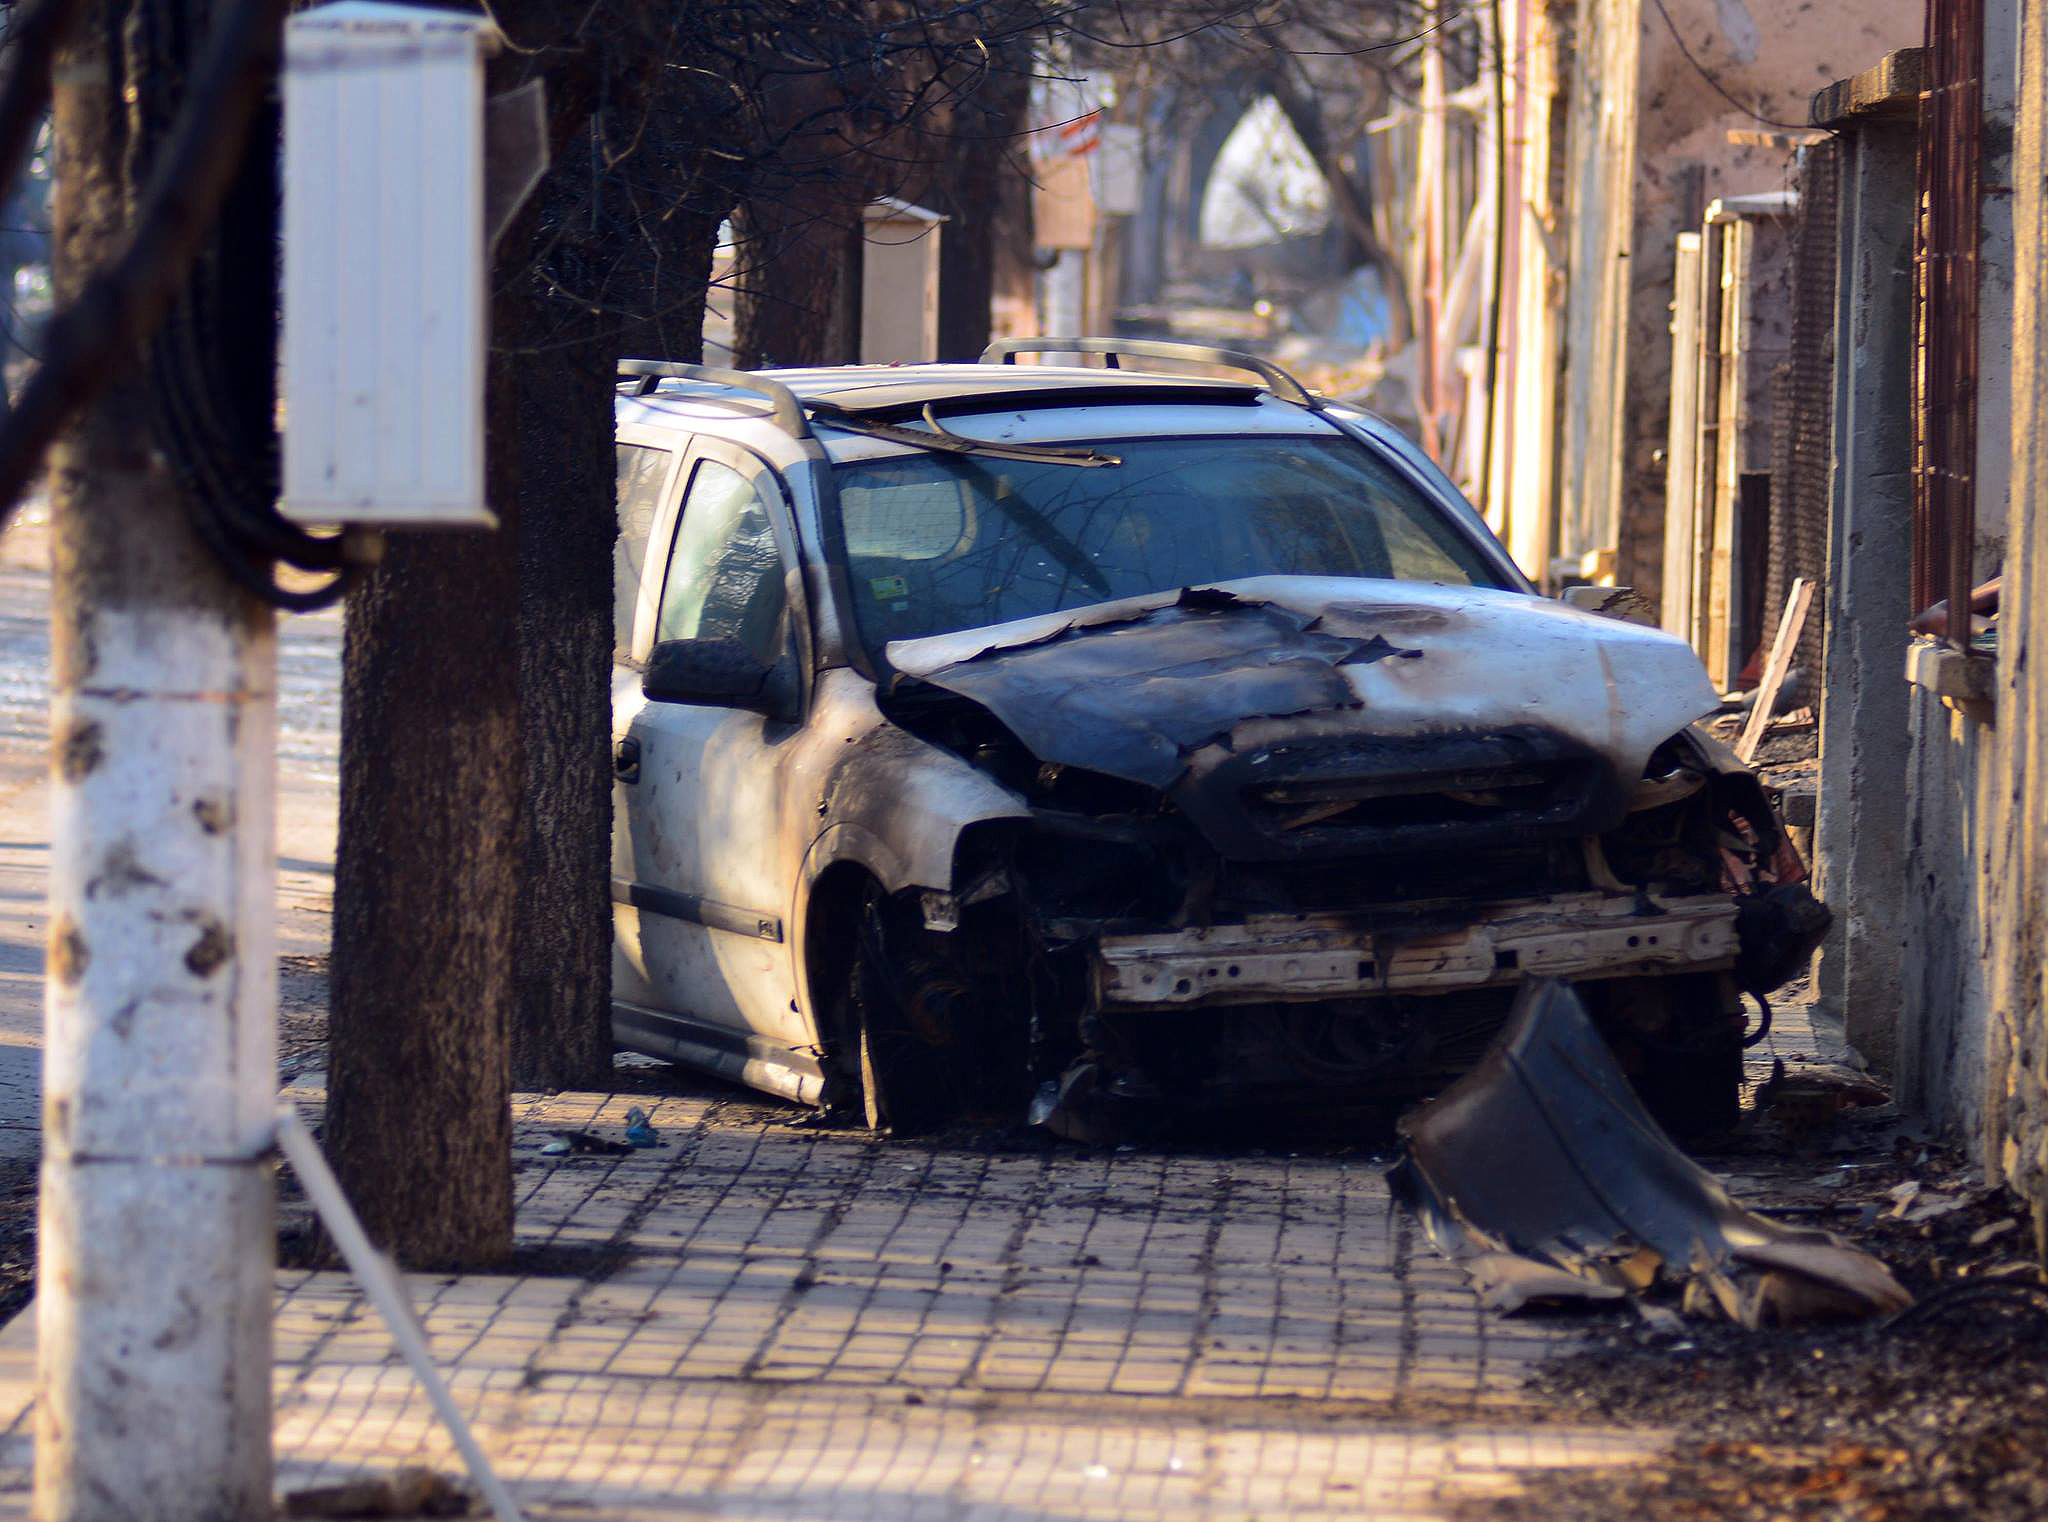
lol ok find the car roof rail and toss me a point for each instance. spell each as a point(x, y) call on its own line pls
point(788, 411)
point(1004, 351)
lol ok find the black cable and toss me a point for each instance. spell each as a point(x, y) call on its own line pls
point(1715, 84)
point(211, 362)
point(210, 458)
point(256, 578)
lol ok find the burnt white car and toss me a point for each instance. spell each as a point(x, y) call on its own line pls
point(1062, 740)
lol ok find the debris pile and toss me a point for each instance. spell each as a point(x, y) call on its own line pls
point(1939, 1412)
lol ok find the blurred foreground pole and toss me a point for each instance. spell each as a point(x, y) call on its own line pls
point(156, 1245)
point(1429, 182)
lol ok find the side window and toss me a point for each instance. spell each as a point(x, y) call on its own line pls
point(641, 472)
point(724, 575)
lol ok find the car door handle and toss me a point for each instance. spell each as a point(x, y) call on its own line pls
point(626, 759)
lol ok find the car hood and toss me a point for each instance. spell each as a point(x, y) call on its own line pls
point(1137, 687)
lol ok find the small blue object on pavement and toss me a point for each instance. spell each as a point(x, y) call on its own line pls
point(639, 1131)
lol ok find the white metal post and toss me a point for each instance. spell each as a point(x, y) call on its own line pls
point(157, 1242)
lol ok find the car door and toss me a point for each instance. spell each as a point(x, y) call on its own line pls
point(702, 878)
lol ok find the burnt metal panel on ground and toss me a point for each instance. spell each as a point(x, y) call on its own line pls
point(1541, 1172)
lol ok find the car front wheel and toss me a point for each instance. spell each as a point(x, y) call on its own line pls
point(896, 1014)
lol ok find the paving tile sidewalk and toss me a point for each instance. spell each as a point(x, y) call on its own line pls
point(776, 1319)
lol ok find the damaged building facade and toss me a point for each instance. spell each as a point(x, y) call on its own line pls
point(2014, 870)
point(1769, 301)
point(1974, 1009)
point(1625, 124)
point(1930, 707)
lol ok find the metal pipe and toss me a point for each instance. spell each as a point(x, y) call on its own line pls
point(1004, 351)
point(1506, 185)
point(386, 1291)
point(1429, 154)
point(787, 411)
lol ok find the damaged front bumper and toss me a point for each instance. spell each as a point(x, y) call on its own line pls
point(1283, 958)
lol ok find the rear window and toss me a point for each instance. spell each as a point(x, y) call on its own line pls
point(936, 543)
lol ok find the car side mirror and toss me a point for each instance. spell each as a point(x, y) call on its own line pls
point(719, 673)
point(1609, 602)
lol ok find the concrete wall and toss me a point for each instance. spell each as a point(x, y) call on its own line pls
point(1957, 774)
point(1944, 1021)
point(1864, 721)
point(2015, 1134)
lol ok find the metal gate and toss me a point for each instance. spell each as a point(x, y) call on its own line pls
point(1945, 313)
point(1802, 449)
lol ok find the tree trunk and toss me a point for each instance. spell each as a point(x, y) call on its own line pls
point(1013, 298)
point(471, 910)
point(670, 274)
point(979, 188)
point(797, 296)
point(429, 973)
point(425, 890)
point(473, 902)
point(552, 452)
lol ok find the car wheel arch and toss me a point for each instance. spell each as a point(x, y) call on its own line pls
point(842, 881)
point(849, 851)
point(828, 925)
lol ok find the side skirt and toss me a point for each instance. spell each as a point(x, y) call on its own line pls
point(759, 1064)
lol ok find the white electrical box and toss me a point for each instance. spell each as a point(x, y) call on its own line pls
point(386, 270)
point(899, 279)
point(1120, 170)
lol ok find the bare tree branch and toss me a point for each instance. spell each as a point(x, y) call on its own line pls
point(38, 28)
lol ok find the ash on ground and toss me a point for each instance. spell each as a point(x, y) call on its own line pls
point(1942, 1413)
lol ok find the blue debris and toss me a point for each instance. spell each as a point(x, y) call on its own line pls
point(639, 1130)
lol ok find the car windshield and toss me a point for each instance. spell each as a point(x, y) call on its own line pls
point(936, 543)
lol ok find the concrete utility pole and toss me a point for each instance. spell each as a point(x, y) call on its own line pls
point(156, 1238)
